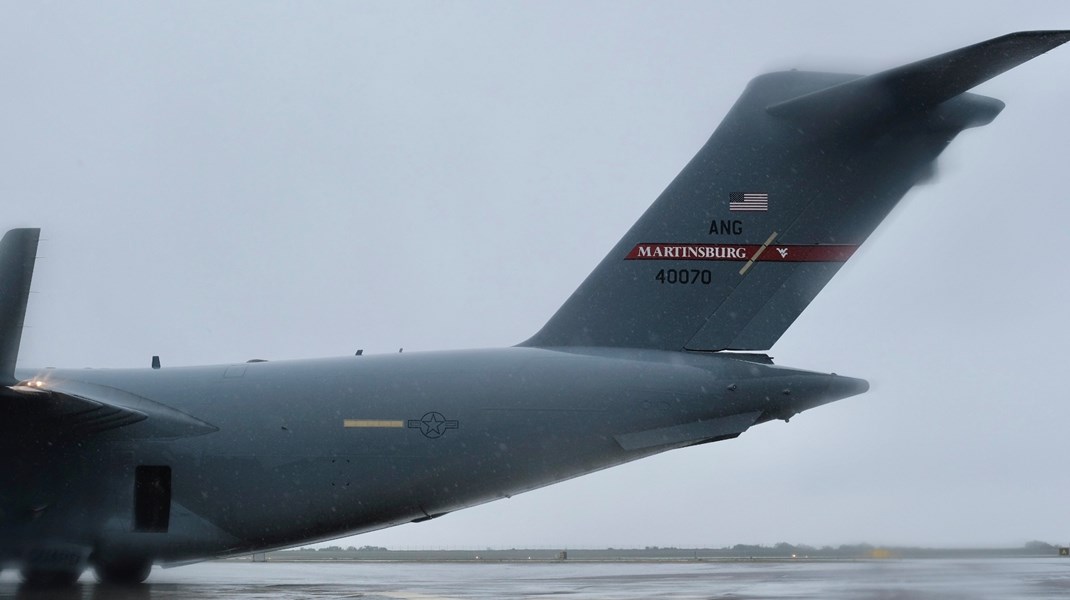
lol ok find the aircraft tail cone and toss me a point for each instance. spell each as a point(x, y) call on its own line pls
point(811, 390)
point(844, 387)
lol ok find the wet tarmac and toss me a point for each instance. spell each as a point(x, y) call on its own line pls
point(827, 580)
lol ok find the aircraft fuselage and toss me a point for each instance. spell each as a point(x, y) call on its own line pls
point(280, 453)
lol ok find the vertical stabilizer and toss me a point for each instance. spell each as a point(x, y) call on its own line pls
point(18, 250)
point(797, 176)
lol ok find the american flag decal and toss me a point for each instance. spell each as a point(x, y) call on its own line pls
point(740, 201)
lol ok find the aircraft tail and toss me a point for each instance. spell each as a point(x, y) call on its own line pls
point(18, 251)
point(796, 177)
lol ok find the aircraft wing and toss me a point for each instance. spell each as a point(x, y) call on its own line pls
point(62, 414)
point(66, 408)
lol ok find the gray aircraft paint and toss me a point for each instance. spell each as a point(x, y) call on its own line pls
point(270, 454)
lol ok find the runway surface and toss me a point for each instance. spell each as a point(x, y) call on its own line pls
point(861, 580)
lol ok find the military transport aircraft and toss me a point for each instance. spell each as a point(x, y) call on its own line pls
point(659, 348)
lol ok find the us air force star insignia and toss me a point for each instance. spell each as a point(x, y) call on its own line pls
point(433, 424)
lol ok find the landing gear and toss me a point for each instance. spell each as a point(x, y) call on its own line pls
point(37, 577)
point(123, 572)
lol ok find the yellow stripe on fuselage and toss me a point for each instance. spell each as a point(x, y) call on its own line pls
point(371, 423)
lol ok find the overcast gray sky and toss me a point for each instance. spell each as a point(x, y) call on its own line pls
point(225, 181)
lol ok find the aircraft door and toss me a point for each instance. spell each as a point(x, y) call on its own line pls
point(152, 498)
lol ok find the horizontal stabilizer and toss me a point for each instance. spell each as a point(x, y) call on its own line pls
point(920, 85)
point(18, 251)
point(689, 433)
point(59, 409)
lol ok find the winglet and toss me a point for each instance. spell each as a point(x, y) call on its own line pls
point(18, 250)
point(920, 85)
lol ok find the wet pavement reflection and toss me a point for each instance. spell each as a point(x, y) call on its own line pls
point(855, 580)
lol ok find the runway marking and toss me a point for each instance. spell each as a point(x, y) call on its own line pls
point(414, 596)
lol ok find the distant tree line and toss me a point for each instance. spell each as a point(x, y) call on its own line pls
point(782, 550)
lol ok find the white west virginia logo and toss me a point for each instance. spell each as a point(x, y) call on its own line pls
point(783, 252)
